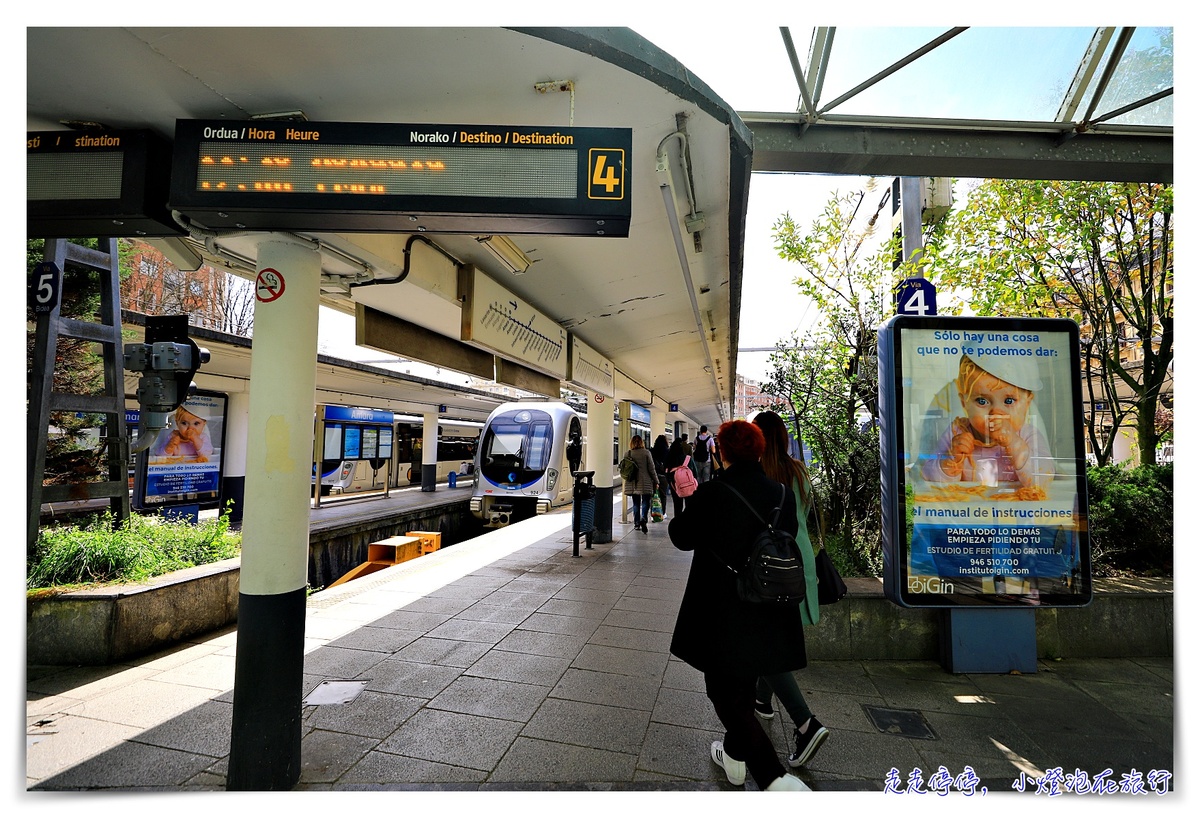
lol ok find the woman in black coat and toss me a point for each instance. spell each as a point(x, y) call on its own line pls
point(675, 457)
point(732, 642)
point(659, 451)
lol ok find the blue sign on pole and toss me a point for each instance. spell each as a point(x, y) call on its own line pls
point(916, 296)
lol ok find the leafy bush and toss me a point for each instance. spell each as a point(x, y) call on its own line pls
point(1131, 519)
point(141, 548)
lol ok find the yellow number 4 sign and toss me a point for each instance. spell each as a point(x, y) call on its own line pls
point(606, 173)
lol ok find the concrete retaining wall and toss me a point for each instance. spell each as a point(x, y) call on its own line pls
point(104, 626)
point(1125, 618)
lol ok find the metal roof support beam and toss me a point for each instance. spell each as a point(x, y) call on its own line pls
point(959, 152)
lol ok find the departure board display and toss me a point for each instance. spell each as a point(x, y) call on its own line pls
point(372, 176)
point(97, 184)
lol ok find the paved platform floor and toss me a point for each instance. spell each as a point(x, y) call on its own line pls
point(508, 664)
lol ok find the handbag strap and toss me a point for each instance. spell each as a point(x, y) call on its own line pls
point(774, 512)
point(774, 517)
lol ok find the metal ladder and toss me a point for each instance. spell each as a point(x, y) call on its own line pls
point(43, 399)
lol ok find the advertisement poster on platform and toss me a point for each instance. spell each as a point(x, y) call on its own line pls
point(183, 465)
point(985, 482)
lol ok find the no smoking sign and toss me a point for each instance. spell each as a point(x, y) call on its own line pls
point(270, 285)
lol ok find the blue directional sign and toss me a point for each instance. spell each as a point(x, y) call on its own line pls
point(916, 296)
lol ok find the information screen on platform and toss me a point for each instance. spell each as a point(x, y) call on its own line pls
point(984, 477)
point(356, 176)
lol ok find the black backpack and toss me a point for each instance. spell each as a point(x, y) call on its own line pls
point(773, 573)
point(701, 453)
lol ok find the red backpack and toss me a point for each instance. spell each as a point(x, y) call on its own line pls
point(685, 481)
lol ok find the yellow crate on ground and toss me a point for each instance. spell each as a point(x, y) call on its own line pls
point(430, 540)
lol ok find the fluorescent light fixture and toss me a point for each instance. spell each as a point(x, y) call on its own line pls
point(509, 254)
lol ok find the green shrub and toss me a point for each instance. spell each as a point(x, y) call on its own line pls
point(1131, 520)
point(141, 548)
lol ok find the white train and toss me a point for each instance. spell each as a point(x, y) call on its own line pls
point(457, 441)
point(526, 455)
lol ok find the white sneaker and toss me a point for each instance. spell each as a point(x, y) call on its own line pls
point(787, 783)
point(735, 770)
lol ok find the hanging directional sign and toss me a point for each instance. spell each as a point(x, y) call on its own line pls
point(916, 296)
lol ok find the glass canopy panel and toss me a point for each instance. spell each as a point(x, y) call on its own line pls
point(1146, 67)
point(988, 73)
point(982, 73)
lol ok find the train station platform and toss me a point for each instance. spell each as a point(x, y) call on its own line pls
point(506, 663)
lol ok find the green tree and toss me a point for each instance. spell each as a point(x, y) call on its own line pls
point(1101, 253)
point(827, 377)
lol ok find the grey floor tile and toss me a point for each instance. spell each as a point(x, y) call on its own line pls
point(632, 638)
point(416, 679)
point(378, 767)
point(529, 668)
point(454, 739)
point(567, 625)
point(442, 652)
point(371, 714)
point(379, 640)
point(202, 730)
point(130, 765)
point(589, 725)
point(543, 643)
point(325, 755)
point(471, 630)
point(340, 663)
point(495, 698)
point(621, 660)
point(686, 708)
point(534, 760)
point(615, 689)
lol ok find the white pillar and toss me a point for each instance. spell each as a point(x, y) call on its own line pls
point(429, 453)
point(233, 455)
point(268, 675)
point(658, 422)
point(600, 461)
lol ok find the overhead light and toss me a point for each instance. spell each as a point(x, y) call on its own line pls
point(509, 254)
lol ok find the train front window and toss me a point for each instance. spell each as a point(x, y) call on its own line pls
point(516, 447)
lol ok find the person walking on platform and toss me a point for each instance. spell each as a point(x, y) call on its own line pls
point(659, 452)
point(733, 642)
point(809, 734)
point(703, 455)
point(643, 484)
point(676, 457)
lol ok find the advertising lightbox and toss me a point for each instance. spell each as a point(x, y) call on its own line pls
point(183, 465)
point(983, 470)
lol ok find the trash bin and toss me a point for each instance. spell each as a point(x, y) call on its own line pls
point(453, 478)
point(583, 512)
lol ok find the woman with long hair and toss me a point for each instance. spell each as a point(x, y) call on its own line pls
point(779, 465)
point(659, 451)
point(642, 486)
point(733, 642)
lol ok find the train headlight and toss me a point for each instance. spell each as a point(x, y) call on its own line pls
point(551, 479)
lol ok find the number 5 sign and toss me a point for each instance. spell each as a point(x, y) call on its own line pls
point(916, 296)
point(45, 287)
